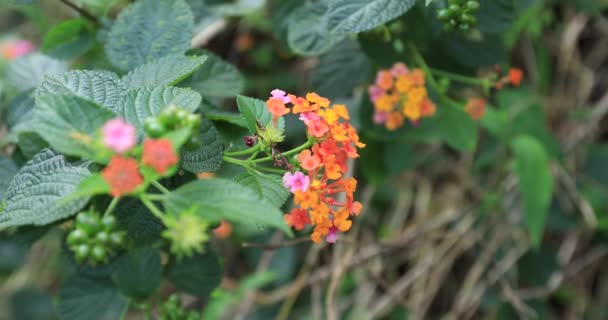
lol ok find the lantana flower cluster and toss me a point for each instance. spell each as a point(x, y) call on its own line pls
point(400, 93)
point(324, 196)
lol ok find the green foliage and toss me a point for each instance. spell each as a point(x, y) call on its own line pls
point(307, 32)
point(166, 71)
point(217, 199)
point(207, 157)
point(31, 304)
point(535, 183)
point(69, 39)
point(197, 275)
point(269, 187)
point(35, 194)
point(138, 273)
point(254, 111)
point(86, 298)
point(28, 72)
point(217, 78)
point(8, 169)
point(148, 30)
point(351, 16)
point(456, 128)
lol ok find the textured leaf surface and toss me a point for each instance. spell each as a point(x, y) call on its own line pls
point(99, 87)
point(138, 273)
point(270, 187)
point(20, 115)
point(341, 70)
point(69, 39)
point(140, 224)
point(197, 275)
point(216, 78)
point(34, 196)
point(307, 33)
point(148, 30)
point(27, 72)
point(8, 169)
point(165, 71)
point(353, 16)
point(67, 122)
point(217, 199)
point(208, 157)
point(255, 110)
point(139, 104)
point(535, 183)
point(86, 298)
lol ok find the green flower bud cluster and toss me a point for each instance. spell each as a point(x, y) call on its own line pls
point(172, 310)
point(94, 239)
point(173, 118)
point(459, 15)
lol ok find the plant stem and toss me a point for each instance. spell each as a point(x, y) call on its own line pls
point(151, 206)
point(459, 78)
point(271, 170)
point(306, 145)
point(160, 187)
point(243, 152)
point(155, 197)
point(242, 163)
point(82, 11)
point(111, 206)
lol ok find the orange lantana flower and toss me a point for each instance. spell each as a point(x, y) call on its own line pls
point(122, 175)
point(159, 154)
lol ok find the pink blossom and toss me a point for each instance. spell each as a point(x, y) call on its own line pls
point(380, 117)
point(297, 181)
point(332, 236)
point(399, 69)
point(309, 117)
point(280, 94)
point(15, 49)
point(118, 135)
point(375, 92)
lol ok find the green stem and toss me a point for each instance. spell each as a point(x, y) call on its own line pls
point(112, 206)
point(255, 154)
point(243, 152)
point(459, 78)
point(271, 170)
point(151, 206)
point(155, 197)
point(306, 145)
point(160, 187)
point(242, 163)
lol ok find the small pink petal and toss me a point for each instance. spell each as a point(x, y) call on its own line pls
point(332, 236)
point(118, 135)
point(280, 94)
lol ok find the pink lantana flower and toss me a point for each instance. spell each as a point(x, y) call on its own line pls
point(118, 135)
point(332, 236)
point(280, 94)
point(380, 117)
point(399, 69)
point(16, 49)
point(297, 181)
point(375, 92)
point(309, 117)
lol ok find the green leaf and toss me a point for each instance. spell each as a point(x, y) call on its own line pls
point(27, 72)
point(67, 123)
point(496, 16)
point(535, 183)
point(148, 30)
point(20, 109)
point(354, 16)
point(30, 143)
point(217, 78)
point(217, 199)
point(139, 272)
point(85, 298)
point(197, 275)
point(34, 196)
point(140, 224)
point(8, 169)
point(269, 187)
point(208, 157)
point(307, 32)
point(487, 51)
point(92, 185)
point(456, 128)
point(32, 304)
point(69, 39)
point(99, 87)
point(253, 111)
point(166, 71)
point(341, 70)
point(139, 104)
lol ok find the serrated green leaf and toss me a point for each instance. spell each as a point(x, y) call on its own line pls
point(208, 157)
point(269, 187)
point(218, 199)
point(30, 143)
point(353, 16)
point(456, 127)
point(216, 78)
point(226, 116)
point(166, 71)
point(254, 110)
point(341, 70)
point(535, 183)
point(69, 39)
point(138, 273)
point(140, 224)
point(496, 16)
point(68, 122)
point(34, 196)
point(8, 169)
point(148, 30)
point(87, 298)
point(197, 275)
point(307, 33)
point(99, 87)
point(139, 104)
point(27, 72)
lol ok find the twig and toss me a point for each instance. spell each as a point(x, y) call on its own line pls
point(202, 38)
point(83, 12)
